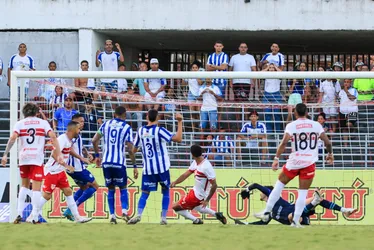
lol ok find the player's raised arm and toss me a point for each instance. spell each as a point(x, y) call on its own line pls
point(280, 149)
point(178, 137)
point(9, 146)
point(328, 145)
point(181, 178)
point(262, 189)
point(95, 143)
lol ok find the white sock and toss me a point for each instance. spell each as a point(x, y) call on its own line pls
point(124, 211)
point(113, 216)
point(314, 202)
point(300, 204)
point(343, 210)
point(73, 206)
point(42, 201)
point(35, 201)
point(29, 192)
point(21, 200)
point(274, 196)
point(186, 215)
point(205, 210)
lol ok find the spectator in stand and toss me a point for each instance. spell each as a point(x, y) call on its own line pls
point(272, 95)
point(365, 87)
point(321, 119)
point(318, 81)
point(139, 82)
point(109, 62)
point(274, 57)
point(222, 148)
point(193, 94)
point(133, 109)
point(46, 90)
point(338, 66)
point(84, 83)
point(21, 62)
point(122, 83)
point(92, 120)
point(254, 133)
point(58, 99)
point(309, 94)
point(243, 88)
point(134, 67)
point(218, 61)
point(358, 66)
point(348, 110)
point(63, 116)
point(208, 148)
point(155, 88)
point(210, 94)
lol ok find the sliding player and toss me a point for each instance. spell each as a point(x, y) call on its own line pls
point(81, 176)
point(116, 133)
point(31, 132)
point(283, 211)
point(304, 134)
point(55, 175)
point(156, 163)
point(205, 186)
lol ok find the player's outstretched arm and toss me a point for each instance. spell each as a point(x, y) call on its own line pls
point(179, 135)
point(245, 193)
point(95, 143)
point(213, 189)
point(280, 150)
point(328, 145)
point(9, 146)
point(181, 178)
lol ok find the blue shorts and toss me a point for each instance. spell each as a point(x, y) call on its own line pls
point(110, 86)
point(115, 175)
point(209, 117)
point(83, 177)
point(149, 182)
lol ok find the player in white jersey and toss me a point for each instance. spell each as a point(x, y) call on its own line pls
point(156, 163)
point(304, 135)
point(205, 186)
point(55, 176)
point(31, 132)
point(79, 159)
point(117, 133)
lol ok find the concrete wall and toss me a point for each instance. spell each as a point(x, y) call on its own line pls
point(188, 14)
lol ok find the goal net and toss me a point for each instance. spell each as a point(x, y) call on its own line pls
point(239, 131)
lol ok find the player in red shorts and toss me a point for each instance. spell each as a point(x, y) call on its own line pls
point(205, 186)
point(31, 132)
point(304, 135)
point(55, 176)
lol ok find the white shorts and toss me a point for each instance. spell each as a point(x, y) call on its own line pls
point(159, 96)
point(330, 112)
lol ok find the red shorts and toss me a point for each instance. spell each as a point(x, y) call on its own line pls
point(32, 172)
point(190, 201)
point(303, 173)
point(51, 181)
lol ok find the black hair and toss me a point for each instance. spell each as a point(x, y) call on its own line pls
point(194, 64)
point(196, 150)
point(84, 61)
point(72, 124)
point(120, 110)
point(76, 116)
point(30, 109)
point(321, 114)
point(218, 41)
point(52, 62)
point(301, 109)
point(152, 115)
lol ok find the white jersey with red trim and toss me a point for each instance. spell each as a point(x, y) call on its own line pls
point(304, 139)
point(52, 166)
point(31, 132)
point(204, 173)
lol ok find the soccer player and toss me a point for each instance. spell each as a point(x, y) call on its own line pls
point(116, 133)
point(156, 163)
point(283, 211)
point(205, 186)
point(304, 135)
point(79, 157)
point(55, 175)
point(31, 132)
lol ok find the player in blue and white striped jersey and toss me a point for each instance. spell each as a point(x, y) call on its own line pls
point(156, 163)
point(218, 61)
point(116, 133)
point(79, 158)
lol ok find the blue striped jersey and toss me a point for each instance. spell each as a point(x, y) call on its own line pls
point(116, 133)
point(223, 146)
point(218, 60)
point(277, 59)
point(152, 140)
point(249, 130)
point(78, 148)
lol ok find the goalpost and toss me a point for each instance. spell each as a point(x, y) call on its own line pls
point(248, 168)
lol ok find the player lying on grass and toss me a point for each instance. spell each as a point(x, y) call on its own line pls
point(283, 211)
point(205, 186)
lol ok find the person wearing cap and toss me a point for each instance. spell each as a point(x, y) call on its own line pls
point(338, 66)
point(365, 87)
point(254, 132)
point(358, 65)
point(63, 115)
point(92, 120)
point(155, 88)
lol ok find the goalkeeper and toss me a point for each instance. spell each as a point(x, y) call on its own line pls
point(283, 210)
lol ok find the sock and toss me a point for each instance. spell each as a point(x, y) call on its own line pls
point(165, 202)
point(21, 200)
point(308, 207)
point(186, 215)
point(85, 195)
point(142, 203)
point(330, 205)
point(274, 196)
point(124, 200)
point(72, 206)
point(42, 201)
point(29, 192)
point(78, 194)
point(300, 204)
point(111, 193)
point(205, 210)
point(35, 200)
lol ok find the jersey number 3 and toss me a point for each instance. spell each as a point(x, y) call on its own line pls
point(303, 141)
point(31, 138)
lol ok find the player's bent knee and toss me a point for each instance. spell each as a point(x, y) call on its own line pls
point(67, 191)
point(47, 196)
point(36, 185)
point(95, 185)
point(284, 178)
point(176, 207)
point(111, 187)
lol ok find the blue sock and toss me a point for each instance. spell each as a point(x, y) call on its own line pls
point(78, 194)
point(142, 203)
point(330, 205)
point(124, 199)
point(111, 194)
point(308, 207)
point(86, 195)
point(165, 202)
